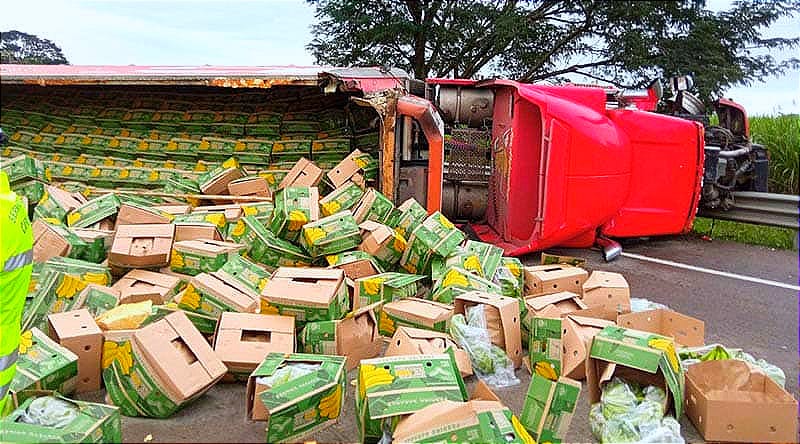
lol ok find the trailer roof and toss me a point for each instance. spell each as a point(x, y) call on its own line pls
point(364, 79)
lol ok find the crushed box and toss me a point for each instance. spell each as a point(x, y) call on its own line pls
point(347, 169)
point(607, 289)
point(414, 312)
point(456, 281)
point(356, 264)
point(137, 211)
point(50, 240)
point(549, 406)
point(216, 181)
point(92, 423)
point(42, 364)
point(243, 340)
point(356, 336)
point(504, 326)
point(77, 332)
point(97, 299)
point(555, 305)
point(382, 242)
point(139, 285)
point(416, 341)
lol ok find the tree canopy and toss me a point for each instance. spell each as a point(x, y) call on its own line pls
point(19, 47)
point(626, 43)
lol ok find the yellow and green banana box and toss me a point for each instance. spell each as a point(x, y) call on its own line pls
point(91, 423)
point(294, 207)
point(343, 198)
point(266, 248)
point(197, 256)
point(373, 206)
point(246, 272)
point(330, 235)
point(416, 313)
point(386, 287)
point(42, 364)
point(549, 406)
point(296, 394)
point(93, 211)
point(389, 388)
point(461, 258)
point(308, 294)
point(22, 168)
point(456, 281)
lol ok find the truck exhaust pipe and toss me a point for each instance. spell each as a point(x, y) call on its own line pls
point(611, 249)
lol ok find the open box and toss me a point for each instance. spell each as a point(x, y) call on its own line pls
point(356, 336)
point(546, 279)
point(686, 330)
point(142, 246)
point(731, 401)
point(140, 285)
point(556, 305)
point(416, 341)
point(506, 334)
point(308, 294)
point(243, 340)
point(609, 290)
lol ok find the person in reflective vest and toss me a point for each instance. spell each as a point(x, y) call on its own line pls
point(16, 258)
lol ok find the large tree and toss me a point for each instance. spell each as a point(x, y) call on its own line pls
point(19, 47)
point(627, 43)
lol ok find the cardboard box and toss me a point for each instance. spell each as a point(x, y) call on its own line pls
point(97, 299)
point(355, 264)
point(265, 247)
point(416, 341)
point(490, 256)
point(304, 173)
point(93, 423)
point(549, 259)
point(201, 255)
point(730, 401)
point(609, 290)
point(93, 211)
point(506, 334)
point(54, 240)
point(330, 235)
point(556, 305)
point(457, 281)
point(549, 406)
point(558, 344)
point(56, 203)
point(301, 405)
point(209, 295)
point(175, 209)
point(98, 243)
point(243, 340)
point(686, 330)
point(390, 387)
point(346, 170)
point(382, 242)
point(460, 258)
point(342, 198)
point(356, 336)
point(42, 364)
point(373, 206)
point(386, 287)
point(261, 210)
point(548, 279)
point(248, 273)
point(636, 356)
point(232, 212)
point(435, 235)
point(216, 181)
point(142, 246)
point(294, 207)
point(308, 294)
point(134, 211)
point(407, 216)
point(472, 421)
point(249, 186)
point(414, 312)
point(77, 332)
point(141, 285)
point(190, 231)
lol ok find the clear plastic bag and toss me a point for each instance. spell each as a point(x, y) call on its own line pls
point(668, 430)
point(618, 398)
point(287, 373)
point(693, 355)
point(48, 411)
point(489, 361)
point(641, 304)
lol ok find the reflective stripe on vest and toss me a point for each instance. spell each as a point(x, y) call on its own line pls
point(8, 360)
point(18, 261)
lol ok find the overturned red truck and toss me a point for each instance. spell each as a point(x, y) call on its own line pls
point(523, 166)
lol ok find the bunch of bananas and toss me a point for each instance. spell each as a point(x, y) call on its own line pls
point(546, 370)
point(330, 405)
point(718, 353)
point(69, 286)
point(370, 376)
point(385, 323)
point(668, 347)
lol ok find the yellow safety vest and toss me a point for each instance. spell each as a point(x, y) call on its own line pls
point(16, 258)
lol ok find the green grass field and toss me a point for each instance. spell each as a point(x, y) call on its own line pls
point(781, 136)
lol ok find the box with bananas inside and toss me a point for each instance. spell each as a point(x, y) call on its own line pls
point(297, 394)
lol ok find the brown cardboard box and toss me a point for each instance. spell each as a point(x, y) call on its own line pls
point(578, 330)
point(81, 299)
point(174, 210)
point(358, 269)
point(66, 200)
point(192, 231)
point(140, 285)
point(233, 212)
point(132, 215)
point(554, 305)
point(509, 319)
point(304, 173)
point(607, 289)
point(309, 294)
point(729, 401)
point(47, 243)
point(228, 291)
point(416, 341)
point(378, 240)
point(243, 340)
point(459, 422)
point(219, 185)
point(77, 331)
point(686, 330)
point(356, 336)
point(345, 170)
point(179, 356)
point(547, 279)
point(249, 186)
point(421, 313)
point(145, 246)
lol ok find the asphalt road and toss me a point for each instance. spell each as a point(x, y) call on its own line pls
point(760, 319)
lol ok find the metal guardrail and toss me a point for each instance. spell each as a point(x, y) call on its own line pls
point(777, 210)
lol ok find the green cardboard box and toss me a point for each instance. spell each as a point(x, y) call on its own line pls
point(355, 264)
point(215, 181)
point(300, 405)
point(391, 387)
point(246, 272)
point(193, 257)
point(42, 364)
point(51, 240)
point(294, 207)
point(356, 336)
point(260, 210)
point(549, 406)
point(343, 198)
point(94, 211)
point(308, 294)
point(437, 234)
point(330, 235)
point(266, 248)
point(373, 206)
point(209, 295)
point(22, 168)
point(641, 356)
point(416, 313)
point(510, 278)
point(94, 423)
point(382, 242)
point(97, 299)
point(490, 256)
point(461, 258)
point(457, 281)
point(386, 287)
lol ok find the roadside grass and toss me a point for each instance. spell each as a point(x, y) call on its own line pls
point(781, 136)
point(781, 238)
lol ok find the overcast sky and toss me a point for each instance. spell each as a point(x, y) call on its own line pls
point(268, 32)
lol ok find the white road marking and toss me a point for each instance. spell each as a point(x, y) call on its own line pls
point(710, 271)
